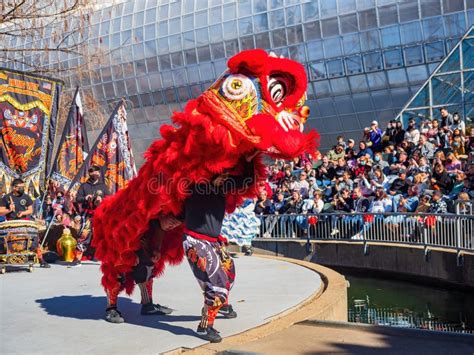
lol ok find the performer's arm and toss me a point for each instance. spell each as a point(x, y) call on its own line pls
point(5, 207)
point(26, 213)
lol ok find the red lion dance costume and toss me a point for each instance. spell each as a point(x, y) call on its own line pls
point(256, 105)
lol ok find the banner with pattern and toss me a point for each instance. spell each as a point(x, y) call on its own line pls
point(28, 116)
point(112, 152)
point(73, 147)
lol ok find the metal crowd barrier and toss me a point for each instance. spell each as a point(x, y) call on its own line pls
point(454, 231)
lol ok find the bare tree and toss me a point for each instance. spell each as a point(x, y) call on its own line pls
point(42, 35)
point(52, 37)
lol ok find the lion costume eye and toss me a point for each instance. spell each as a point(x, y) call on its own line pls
point(236, 87)
point(278, 88)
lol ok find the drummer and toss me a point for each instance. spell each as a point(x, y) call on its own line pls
point(17, 204)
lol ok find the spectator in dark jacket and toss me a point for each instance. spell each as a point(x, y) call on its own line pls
point(400, 133)
point(263, 205)
point(399, 185)
point(441, 179)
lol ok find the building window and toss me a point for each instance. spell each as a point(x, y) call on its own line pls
point(373, 61)
point(354, 65)
point(411, 32)
point(317, 71)
point(430, 8)
point(351, 43)
point(408, 10)
point(393, 58)
point(413, 55)
point(453, 6)
point(349, 23)
point(367, 19)
point(312, 30)
point(388, 15)
point(332, 47)
point(330, 27)
point(335, 68)
point(390, 36)
point(434, 51)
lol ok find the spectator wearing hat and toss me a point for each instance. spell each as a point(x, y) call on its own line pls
point(350, 149)
point(375, 136)
point(337, 153)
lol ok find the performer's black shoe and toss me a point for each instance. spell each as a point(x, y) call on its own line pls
point(209, 334)
point(150, 309)
point(112, 315)
point(228, 312)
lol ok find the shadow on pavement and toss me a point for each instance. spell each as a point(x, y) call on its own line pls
point(93, 308)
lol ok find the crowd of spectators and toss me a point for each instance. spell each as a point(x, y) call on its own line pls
point(424, 167)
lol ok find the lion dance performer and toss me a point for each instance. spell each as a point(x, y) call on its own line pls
point(255, 106)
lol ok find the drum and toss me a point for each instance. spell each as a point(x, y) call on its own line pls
point(18, 243)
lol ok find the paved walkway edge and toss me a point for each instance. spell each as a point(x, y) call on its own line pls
point(328, 303)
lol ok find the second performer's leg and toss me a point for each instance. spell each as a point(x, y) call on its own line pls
point(142, 275)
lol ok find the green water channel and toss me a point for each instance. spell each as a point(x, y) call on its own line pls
point(409, 305)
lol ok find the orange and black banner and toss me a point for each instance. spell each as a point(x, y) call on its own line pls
point(28, 116)
point(73, 147)
point(112, 152)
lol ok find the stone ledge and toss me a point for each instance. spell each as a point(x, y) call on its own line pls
point(330, 303)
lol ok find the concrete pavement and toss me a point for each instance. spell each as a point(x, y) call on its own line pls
point(60, 310)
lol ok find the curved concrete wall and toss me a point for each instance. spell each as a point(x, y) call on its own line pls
point(407, 262)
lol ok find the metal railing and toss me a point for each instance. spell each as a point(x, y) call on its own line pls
point(454, 231)
point(389, 317)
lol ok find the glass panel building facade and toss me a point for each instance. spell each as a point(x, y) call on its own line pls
point(451, 85)
point(364, 58)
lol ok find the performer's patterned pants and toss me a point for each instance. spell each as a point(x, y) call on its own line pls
point(215, 272)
